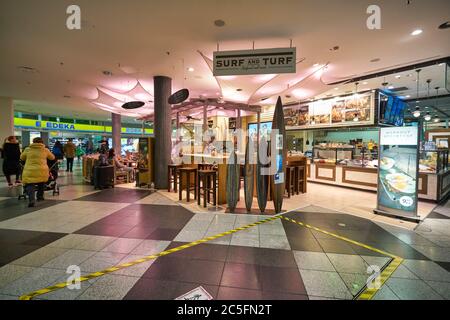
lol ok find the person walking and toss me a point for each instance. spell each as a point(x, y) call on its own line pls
point(11, 158)
point(36, 171)
point(58, 150)
point(69, 151)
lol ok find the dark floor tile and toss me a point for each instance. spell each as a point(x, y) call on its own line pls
point(164, 234)
point(11, 252)
point(12, 208)
point(270, 295)
point(110, 230)
point(336, 246)
point(445, 265)
point(275, 258)
point(139, 232)
point(287, 280)
point(204, 251)
point(365, 252)
point(152, 289)
point(226, 293)
point(44, 239)
point(304, 244)
point(118, 195)
point(17, 236)
point(435, 215)
point(400, 249)
point(184, 287)
point(240, 275)
point(185, 270)
point(247, 255)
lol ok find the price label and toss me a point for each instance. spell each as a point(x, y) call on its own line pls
point(406, 201)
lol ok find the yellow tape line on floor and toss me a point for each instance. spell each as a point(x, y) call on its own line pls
point(367, 293)
point(58, 286)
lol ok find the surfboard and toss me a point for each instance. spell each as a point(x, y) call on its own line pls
point(233, 172)
point(249, 171)
point(278, 154)
point(262, 181)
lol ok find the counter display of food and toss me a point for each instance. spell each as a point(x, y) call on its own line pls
point(434, 174)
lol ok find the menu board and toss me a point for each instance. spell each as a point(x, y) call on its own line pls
point(398, 171)
point(354, 110)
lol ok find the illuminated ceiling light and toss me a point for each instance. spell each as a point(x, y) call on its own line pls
point(416, 32)
point(391, 87)
point(315, 65)
point(398, 76)
point(365, 83)
point(190, 69)
point(336, 88)
point(416, 112)
point(436, 119)
point(427, 117)
point(407, 96)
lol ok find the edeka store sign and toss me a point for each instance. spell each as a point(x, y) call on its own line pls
point(260, 61)
point(60, 126)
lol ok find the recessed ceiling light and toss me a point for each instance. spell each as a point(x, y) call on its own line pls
point(398, 76)
point(67, 97)
point(416, 32)
point(364, 83)
point(28, 69)
point(315, 64)
point(375, 60)
point(391, 87)
point(219, 23)
point(190, 69)
point(408, 96)
point(445, 25)
point(239, 89)
point(336, 88)
point(107, 73)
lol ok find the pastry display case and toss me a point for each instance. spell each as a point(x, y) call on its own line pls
point(433, 161)
point(332, 153)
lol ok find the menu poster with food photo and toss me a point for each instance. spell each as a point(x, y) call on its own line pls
point(338, 111)
point(358, 108)
point(398, 171)
point(297, 116)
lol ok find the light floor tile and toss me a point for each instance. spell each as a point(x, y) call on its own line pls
point(325, 284)
point(313, 261)
point(95, 243)
point(70, 241)
point(427, 270)
point(123, 245)
point(443, 288)
point(189, 236)
point(10, 273)
point(101, 261)
point(354, 282)
point(246, 240)
point(109, 287)
point(40, 257)
point(134, 271)
point(348, 263)
point(408, 289)
point(385, 294)
point(71, 257)
point(435, 253)
point(376, 261)
point(274, 242)
point(404, 273)
point(149, 247)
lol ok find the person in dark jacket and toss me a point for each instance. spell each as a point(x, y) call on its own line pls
point(58, 150)
point(11, 158)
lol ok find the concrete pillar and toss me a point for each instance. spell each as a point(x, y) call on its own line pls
point(162, 129)
point(45, 135)
point(25, 138)
point(116, 120)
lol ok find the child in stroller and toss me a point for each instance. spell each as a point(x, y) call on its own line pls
point(51, 184)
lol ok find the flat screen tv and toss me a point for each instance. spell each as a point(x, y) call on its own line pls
point(392, 110)
point(265, 129)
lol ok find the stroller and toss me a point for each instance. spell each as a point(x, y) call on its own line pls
point(51, 184)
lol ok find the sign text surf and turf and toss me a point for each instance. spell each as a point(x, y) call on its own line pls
point(260, 61)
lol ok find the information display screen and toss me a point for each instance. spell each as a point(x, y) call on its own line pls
point(398, 171)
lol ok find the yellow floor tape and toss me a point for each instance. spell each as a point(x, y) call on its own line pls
point(367, 293)
point(62, 285)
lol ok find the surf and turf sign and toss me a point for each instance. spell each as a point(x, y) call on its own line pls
point(260, 61)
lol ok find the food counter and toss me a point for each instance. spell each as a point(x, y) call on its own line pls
point(434, 174)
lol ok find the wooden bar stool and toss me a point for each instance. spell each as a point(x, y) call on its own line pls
point(172, 176)
point(187, 172)
point(300, 179)
point(206, 178)
point(290, 180)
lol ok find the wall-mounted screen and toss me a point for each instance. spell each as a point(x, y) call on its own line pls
point(392, 110)
point(265, 129)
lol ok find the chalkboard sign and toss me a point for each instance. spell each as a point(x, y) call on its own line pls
point(179, 96)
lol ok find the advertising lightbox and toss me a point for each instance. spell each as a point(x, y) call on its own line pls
point(398, 171)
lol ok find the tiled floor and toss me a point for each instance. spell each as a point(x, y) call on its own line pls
point(95, 230)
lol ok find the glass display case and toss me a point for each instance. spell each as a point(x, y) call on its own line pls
point(332, 154)
point(433, 161)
